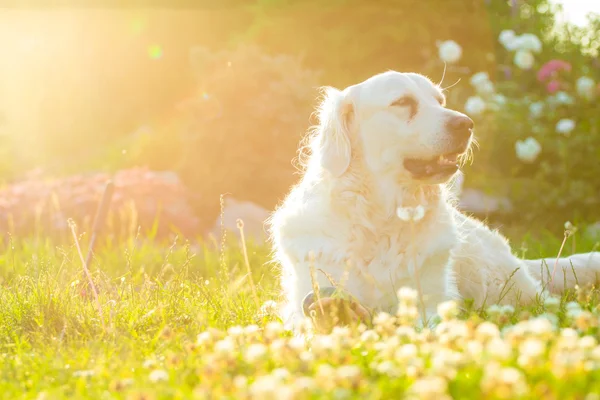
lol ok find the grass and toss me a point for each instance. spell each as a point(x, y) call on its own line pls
point(180, 320)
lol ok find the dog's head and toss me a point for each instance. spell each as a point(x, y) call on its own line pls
point(398, 124)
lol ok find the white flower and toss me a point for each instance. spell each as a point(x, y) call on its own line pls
point(536, 109)
point(529, 42)
point(407, 295)
point(524, 59)
point(585, 87)
point(563, 98)
point(481, 82)
point(158, 375)
point(565, 126)
point(500, 99)
point(255, 352)
point(508, 39)
point(448, 310)
point(450, 51)
point(475, 105)
point(411, 213)
point(479, 78)
point(552, 304)
point(527, 150)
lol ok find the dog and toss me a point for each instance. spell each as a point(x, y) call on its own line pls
point(373, 211)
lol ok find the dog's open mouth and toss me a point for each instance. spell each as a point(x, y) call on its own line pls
point(444, 164)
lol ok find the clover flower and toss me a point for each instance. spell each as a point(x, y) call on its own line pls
point(158, 375)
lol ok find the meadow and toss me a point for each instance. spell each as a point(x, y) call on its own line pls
point(181, 107)
point(183, 319)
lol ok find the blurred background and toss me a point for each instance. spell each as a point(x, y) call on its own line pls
point(180, 106)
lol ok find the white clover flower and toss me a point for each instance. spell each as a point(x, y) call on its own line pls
point(225, 346)
point(499, 349)
point(281, 373)
point(552, 304)
point(565, 126)
point(158, 375)
point(407, 295)
point(273, 330)
point(494, 310)
point(255, 352)
point(348, 372)
point(235, 331)
point(433, 387)
point(529, 42)
point(369, 336)
point(541, 326)
point(475, 105)
point(524, 59)
point(563, 98)
point(411, 213)
point(528, 150)
point(448, 310)
point(251, 330)
point(507, 309)
point(450, 51)
point(573, 305)
point(536, 109)
point(266, 387)
point(585, 87)
point(389, 368)
point(574, 312)
point(508, 39)
point(149, 363)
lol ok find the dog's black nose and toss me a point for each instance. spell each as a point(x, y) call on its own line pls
point(460, 127)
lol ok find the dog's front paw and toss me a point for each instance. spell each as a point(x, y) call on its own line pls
point(329, 312)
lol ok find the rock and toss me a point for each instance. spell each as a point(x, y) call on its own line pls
point(253, 216)
point(477, 202)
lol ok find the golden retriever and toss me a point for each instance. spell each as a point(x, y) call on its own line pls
point(372, 210)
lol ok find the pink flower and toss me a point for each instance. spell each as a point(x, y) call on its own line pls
point(551, 68)
point(553, 86)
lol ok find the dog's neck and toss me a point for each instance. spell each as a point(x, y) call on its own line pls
point(364, 192)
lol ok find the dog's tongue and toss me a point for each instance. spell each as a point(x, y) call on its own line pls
point(417, 166)
point(441, 164)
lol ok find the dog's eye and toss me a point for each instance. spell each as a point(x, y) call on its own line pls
point(406, 101)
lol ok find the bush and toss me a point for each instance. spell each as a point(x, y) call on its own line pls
point(540, 129)
point(243, 127)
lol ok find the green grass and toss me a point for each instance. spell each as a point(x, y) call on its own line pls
point(157, 298)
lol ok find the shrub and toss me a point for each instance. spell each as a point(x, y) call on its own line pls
point(540, 129)
point(244, 123)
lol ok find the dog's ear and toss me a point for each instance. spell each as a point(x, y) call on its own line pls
point(336, 113)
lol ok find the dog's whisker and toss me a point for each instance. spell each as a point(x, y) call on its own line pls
point(451, 86)
point(443, 75)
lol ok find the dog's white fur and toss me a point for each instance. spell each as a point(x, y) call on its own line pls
point(341, 218)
